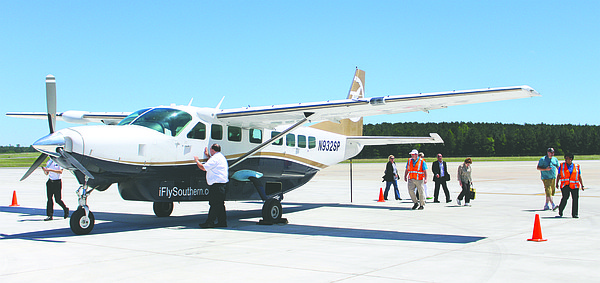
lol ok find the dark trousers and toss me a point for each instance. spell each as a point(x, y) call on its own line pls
point(466, 192)
point(566, 191)
point(53, 189)
point(387, 188)
point(216, 200)
point(436, 192)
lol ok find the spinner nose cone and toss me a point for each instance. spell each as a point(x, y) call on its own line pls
point(50, 143)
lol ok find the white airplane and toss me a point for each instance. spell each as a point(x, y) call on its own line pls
point(150, 153)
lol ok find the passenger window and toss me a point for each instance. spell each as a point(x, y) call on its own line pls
point(198, 132)
point(290, 140)
point(234, 134)
point(216, 132)
point(255, 136)
point(279, 141)
point(312, 142)
point(301, 141)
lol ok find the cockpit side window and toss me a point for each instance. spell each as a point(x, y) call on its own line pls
point(163, 120)
point(216, 132)
point(198, 132)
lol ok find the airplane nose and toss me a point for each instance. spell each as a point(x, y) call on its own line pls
point(50, 143)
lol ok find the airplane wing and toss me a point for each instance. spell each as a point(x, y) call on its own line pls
point(336, 110)
point(78, 117)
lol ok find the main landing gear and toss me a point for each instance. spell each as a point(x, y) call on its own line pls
point(82, 220)
point(163, 209)
point(272, 212)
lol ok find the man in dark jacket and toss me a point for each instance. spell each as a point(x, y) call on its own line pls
point(391, 178)
point(440, 177)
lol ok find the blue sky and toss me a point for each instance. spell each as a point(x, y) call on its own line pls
point(127, 55)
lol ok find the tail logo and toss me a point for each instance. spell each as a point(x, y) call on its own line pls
point(357, 90)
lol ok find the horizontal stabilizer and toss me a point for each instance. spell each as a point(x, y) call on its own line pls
point(375, 140)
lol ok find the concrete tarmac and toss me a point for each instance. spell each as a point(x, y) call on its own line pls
point(333, 235)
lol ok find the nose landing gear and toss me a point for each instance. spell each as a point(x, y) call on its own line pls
point(82, 220)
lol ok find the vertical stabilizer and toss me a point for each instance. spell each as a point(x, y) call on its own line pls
point(352, 126)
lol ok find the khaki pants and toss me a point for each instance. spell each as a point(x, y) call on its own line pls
point(418, 184)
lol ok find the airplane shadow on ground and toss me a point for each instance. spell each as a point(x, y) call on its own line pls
point(108, 222)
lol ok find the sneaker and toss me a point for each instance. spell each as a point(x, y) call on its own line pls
point(430, 198)
point(554, 207)
point(546, 207)
point(458, 201)
point(415, 206)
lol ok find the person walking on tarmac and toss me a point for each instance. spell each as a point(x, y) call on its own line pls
point(440, 177)
point(465, 181)
point(391, 178)
point(416, 175)
point(217, 176)
point(547, 167)
point(569, 179)
point(54, 189)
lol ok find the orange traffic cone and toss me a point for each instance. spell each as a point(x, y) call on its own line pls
point(537, 231)
point(381, 195)
point(14, 200)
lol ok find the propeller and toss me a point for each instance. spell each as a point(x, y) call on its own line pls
point(51, 101)
point(51, 110)
point(35, 165)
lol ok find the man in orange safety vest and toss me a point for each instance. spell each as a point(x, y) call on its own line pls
point(416, 175)
point(569, 181)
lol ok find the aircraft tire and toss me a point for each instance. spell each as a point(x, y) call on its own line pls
point(272, 210)
point(163, 209)
point(80, 224)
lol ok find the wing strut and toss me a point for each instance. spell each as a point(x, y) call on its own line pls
point(264, 144)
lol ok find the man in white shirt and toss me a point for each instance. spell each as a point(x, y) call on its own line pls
point(217, 176)
point(53, 189)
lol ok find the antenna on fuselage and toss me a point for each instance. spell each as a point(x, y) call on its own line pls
point(219, 105)
point(191, 100)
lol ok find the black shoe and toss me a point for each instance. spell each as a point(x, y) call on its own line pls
point(66, 213)
point(48, 218)
point(207, 225)
point(221, 225)
point(421, 207)
point(447, 201)
point(415, 206)
point(559, 213)
point(385, 199)
point(575, 216)
point(436, 201)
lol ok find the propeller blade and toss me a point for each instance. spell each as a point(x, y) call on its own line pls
point(35, 165)
point(51, 101)
point(75, 163)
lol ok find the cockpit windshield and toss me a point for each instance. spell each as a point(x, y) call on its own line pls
point(164, 120)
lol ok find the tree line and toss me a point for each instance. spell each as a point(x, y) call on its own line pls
point(487, 139)
point(16, 149)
